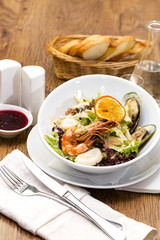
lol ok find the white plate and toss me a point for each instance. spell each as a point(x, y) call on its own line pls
point(55, 168)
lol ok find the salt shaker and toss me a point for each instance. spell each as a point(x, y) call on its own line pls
point(10, 82)
point(33, 89)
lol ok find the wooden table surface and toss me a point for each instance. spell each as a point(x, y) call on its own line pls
point(26, 26)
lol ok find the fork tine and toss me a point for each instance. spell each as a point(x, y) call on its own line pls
point(6, 179)
point(12, 180)
point(12, 175)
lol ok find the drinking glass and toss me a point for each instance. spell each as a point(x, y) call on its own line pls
point(134, 78)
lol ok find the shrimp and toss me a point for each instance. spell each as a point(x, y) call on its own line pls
point(69, 143)
point(78, 140)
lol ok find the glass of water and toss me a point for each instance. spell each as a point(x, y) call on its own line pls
point(134, 78)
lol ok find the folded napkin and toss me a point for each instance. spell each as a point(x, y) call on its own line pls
point(51, 220)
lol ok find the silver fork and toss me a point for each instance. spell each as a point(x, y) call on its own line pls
point(23, 188)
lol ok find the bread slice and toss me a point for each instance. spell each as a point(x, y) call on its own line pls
point(132, 54)
point(118, 46)
point(73, 50)
point(66, 48)
point(94, 48)
point(136, 52)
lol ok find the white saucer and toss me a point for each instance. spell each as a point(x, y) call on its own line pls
point(55, 168)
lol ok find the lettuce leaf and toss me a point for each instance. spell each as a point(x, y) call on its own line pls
point(130, 147)
point(118, 131)
point(53, 140)
point(85, 118)
point(91, 115)
point(84, 121)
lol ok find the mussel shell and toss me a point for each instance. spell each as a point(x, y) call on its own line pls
point(150, 130)
point(130, 95)
point(132, 99)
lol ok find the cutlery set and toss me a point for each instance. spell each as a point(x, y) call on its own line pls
point(112, 229)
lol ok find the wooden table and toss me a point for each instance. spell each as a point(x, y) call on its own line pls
point(26, 26)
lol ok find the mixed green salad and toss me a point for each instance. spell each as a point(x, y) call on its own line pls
point(84, 138)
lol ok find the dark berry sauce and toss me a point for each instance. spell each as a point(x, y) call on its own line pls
point(12, 120)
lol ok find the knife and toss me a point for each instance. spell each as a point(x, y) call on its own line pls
point(110, 230)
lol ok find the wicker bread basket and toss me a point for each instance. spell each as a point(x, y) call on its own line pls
point(67, 67)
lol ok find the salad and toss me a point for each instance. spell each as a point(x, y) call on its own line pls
point(100, 131)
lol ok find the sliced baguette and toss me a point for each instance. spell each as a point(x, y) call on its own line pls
point(66, 48)
point(94, 48)
point(73, 50)
point(118, 46)
point(132, 54)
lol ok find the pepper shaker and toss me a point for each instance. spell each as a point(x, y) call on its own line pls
point(33, 89)
point(10, 82)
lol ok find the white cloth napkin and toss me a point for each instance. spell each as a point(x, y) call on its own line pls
point(51, 220)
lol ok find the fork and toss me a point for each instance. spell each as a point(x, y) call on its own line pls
point(23, 188)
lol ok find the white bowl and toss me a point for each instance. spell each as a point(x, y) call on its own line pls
point(13, 133)
point(60, 99)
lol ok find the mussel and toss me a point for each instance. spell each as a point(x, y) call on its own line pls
point(132, 105)
point(142, 134)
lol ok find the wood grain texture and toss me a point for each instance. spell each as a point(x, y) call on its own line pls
point(26, 26)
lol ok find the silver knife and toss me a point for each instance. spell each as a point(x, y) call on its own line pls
point(110, 230)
